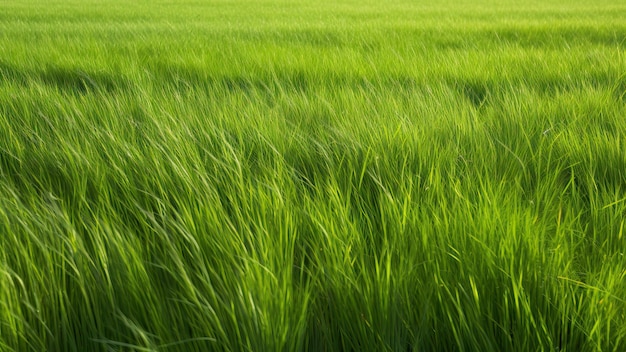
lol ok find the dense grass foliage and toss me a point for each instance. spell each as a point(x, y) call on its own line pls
point(293, 175)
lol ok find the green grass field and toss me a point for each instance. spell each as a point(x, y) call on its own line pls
point(213, 175)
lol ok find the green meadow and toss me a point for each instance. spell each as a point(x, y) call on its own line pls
point(287, 175)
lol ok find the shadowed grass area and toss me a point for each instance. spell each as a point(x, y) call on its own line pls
point(284, 176)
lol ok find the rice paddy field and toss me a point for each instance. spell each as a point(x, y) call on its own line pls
point(282, 175)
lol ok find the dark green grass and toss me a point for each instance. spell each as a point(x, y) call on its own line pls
point(284, 176)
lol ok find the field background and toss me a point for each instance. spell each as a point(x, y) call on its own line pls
point(322, 176)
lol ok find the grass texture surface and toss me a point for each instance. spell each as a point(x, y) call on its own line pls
point(312, 175)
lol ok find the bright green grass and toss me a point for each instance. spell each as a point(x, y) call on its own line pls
point(341, 176)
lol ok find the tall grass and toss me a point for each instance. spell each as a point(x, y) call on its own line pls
point(282, 176)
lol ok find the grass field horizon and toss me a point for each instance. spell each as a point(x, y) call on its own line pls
point(312, 176)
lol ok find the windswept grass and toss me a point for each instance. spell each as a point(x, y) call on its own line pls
point(337, 176)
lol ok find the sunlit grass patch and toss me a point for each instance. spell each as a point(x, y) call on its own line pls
point(285, 176)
